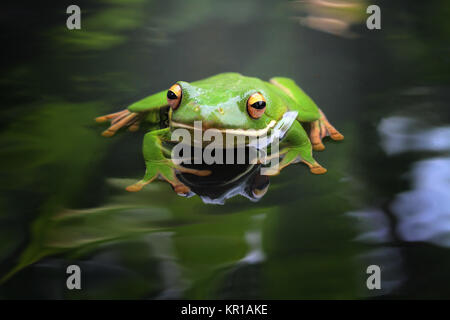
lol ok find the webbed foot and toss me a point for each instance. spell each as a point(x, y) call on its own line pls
point(160, 169)
point(166, 170)
point(320, 129)
point(118, 120)
point(315, 168)
point(295, 155)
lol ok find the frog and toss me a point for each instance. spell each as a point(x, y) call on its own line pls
point(230, 103)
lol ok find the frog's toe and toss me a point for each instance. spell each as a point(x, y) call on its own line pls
point(101, 119)
point(337, 136)
point(320, 129)
point(328, 129)
point(111, 116)
point(138, 186)
point(168, 174)
point(318, 146)
point(200, 173)
point(316, 135)
point(181, 189)
point(108, 133)
point(134, 188)
point(134, 126)
point(315, 167)
point(318, 170)
point(118, 120)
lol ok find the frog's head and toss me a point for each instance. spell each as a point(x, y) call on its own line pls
point(233, 107)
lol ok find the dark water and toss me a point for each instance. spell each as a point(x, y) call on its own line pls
point(384, 200)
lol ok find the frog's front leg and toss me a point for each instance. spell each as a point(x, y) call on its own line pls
point(157, 165)
point(320, 129)
point(296, 147)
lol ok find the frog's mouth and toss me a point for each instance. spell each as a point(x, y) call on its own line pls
point(276, 128)
point(237, 132)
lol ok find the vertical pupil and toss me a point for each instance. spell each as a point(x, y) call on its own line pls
point(171, 95)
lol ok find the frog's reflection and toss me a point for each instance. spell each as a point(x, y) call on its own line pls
point(226, 181)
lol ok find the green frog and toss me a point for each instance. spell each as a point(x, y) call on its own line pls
point(231, 104)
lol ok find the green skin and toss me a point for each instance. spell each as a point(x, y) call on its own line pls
point(220, 102)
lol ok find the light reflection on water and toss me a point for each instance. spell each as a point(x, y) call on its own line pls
point(402, 134)
point(423, 212)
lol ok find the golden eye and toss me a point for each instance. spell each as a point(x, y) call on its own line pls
point(256, 105)
point(174, 96)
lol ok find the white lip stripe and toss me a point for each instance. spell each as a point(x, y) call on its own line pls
point(249, 133)
point(278, 132)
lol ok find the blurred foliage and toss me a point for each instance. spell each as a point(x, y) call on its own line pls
point(104, 28)
point(41, 158)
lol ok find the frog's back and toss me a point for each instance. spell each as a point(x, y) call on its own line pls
point(282, 93)
point(230, 81)
point(236, 84)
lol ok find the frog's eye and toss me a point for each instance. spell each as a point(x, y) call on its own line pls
point(256, 105)
point(174, 96)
